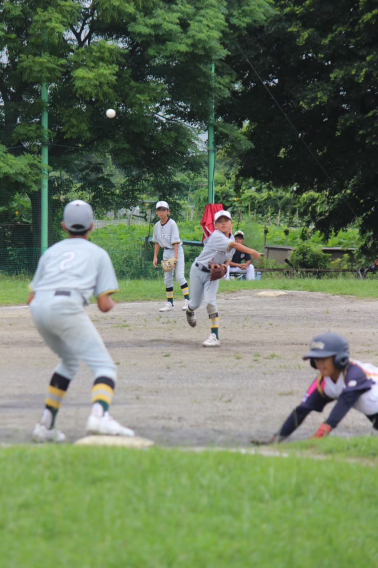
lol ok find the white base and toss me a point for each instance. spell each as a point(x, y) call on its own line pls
point(125, 441)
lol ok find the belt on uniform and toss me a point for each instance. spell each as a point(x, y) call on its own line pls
point(168, 248)
point(62, 293)
point(203, 268)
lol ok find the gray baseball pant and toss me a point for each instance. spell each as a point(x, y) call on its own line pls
point(66, 328)
point(201, 286)
point(179, 269)
point(249, 272)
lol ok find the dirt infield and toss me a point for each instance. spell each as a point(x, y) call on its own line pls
point(176, 392)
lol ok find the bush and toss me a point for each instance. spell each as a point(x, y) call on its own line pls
point(307, 255)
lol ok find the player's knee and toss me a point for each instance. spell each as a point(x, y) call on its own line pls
point(211, 309)
point(67, 369)
point(109, 370)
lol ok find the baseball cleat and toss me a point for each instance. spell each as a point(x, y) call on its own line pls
point(212, 341)
point(167, 308)
point(185, 305)
point(191, 318)
point(107, 426)
point(41, 434)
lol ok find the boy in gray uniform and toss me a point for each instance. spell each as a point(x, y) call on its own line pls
point(167, 236)
point(68, 274)
point(219, 248)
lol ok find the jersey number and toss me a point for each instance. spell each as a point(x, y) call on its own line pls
point(68, 258)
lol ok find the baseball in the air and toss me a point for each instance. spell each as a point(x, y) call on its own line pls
point(110, 113)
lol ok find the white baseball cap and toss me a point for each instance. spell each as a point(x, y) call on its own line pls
point(162, 204)
point(78, 216)
point(239, 234)
point(222, 214)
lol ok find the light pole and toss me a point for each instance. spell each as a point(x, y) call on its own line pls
point(211, 144)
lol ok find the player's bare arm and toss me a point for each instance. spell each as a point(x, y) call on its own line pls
point(175, 248)
point(30, 298)
point(156, 250)
point(105, 303)
point(242, 248)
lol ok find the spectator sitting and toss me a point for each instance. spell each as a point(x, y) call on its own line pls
point(241, 262)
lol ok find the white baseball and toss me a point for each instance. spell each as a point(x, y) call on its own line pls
point(110, 113)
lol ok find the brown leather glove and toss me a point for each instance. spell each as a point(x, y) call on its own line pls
point(217, 271)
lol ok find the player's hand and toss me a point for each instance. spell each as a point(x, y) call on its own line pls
point(322, 431)
point(155, 262)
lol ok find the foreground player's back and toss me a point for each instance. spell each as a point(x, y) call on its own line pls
point(75, 264)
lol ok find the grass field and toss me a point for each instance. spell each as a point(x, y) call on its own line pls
point(110, 507)
point(14, 290)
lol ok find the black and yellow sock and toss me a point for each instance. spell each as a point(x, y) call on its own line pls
point(185, 291)
point(169, 292)
point(102, 392)
point(55, 393)
point(214, 324)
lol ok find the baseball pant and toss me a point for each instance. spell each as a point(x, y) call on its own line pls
point(201, 286)
point(249, 272)
point(179, 268)
point(66, 328)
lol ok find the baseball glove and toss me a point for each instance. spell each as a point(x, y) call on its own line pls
point(169, 264)
point(217, 271)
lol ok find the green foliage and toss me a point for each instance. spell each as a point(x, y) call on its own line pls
point(307, 255)
point(319, 61)
point(341, 263)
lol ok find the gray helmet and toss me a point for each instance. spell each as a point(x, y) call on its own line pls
point(329, 345)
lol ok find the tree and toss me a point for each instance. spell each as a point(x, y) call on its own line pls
point(150, 60)
point(319, 61)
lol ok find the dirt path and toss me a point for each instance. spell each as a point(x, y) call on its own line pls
point(173, 390)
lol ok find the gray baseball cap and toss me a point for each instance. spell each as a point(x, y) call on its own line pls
point(239, 234)
point(78, 216)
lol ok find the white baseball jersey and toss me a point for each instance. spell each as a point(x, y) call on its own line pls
point(217, 249)
point(166, 235)
point(75, 264)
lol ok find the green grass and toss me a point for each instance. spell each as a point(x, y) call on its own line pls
point(364, 448)
point(110, 507)
point(13, 290)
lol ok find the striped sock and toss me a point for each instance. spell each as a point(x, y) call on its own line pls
point(185, 291)
point(102, 392)
point(55, 393)
point(169, 292)
point(214, 324)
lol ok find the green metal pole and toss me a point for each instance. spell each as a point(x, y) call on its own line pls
point(45, 171)
point(211, 149)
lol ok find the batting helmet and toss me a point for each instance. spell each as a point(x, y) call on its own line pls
point(329, 345)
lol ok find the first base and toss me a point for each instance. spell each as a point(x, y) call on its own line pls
point(124, 441)
point(271, 293)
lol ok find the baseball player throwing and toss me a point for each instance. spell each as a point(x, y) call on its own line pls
point(68, 274)
point(219, 248)
point(166, 235)
point(352, 383)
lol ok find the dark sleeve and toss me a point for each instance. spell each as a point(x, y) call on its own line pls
point(313, 400)
point(247, 257)
point(356, 383)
